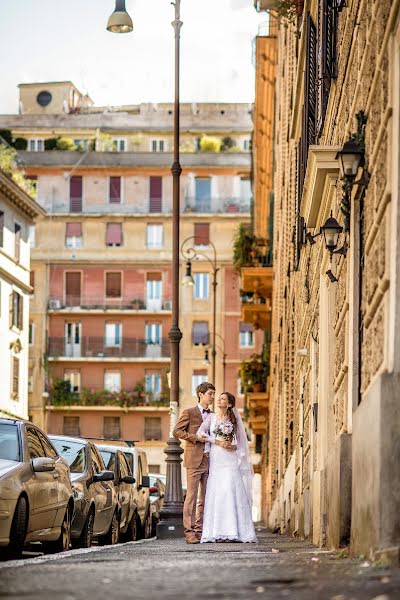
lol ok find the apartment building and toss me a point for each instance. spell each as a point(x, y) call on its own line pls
point(101, 310)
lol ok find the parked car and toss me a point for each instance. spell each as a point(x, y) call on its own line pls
point(137, 461)
point(96, 502)
point(116, 461)
point(36, 497)
point(157, 492)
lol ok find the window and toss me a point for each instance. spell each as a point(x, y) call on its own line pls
point(73, 288)
point(16, 310)
point(74, 379)
point(71, 426)
point(73, 235)
point(154, 236)
point(246, 335)
point(119, 144)
point(1, 228)
point(157, 145)
point(82, 144)
point(201, 234)
point(35, 448)
point(199, 376)
point(31, 333)
point(114, 234)
point(112, 381)
point(155, 194)
point(245, 189)
point(154, 469)
point(75, 193)
point(153, 333)
point(203, 194)
point(152, 429)
point(114, 190)
point(36, 145)
point(200, 333)
point(113, 334)
point(247, 145)
point(17, 241)
point(15, 377)
point(153, 383)
point(32, 236)
point(113, 285)
point(153, 291)
point(201, 286)
point(112, 428)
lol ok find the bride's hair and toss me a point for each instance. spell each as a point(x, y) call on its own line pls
point(232, 401)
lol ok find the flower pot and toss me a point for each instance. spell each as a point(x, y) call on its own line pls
point(258, 387)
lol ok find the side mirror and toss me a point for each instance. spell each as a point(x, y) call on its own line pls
point(43, 464)
point(104, 476)
point(145, 481)
point(128, 479)
point(153, 489)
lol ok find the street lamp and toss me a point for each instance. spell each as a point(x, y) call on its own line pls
point(189, 253)
point(170, 525)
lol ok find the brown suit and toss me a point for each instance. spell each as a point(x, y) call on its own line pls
point(196, 463)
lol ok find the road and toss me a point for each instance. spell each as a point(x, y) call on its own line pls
point(276, 567)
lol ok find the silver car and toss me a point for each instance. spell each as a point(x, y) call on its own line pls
point(36, 499)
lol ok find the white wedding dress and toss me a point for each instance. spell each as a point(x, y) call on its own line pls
point(228, 502)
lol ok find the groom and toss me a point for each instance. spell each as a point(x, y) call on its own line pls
point(195, 460)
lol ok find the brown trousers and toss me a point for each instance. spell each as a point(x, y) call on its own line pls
point(196, 478)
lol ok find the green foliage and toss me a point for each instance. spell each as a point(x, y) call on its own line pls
point(66, 144)
point(287, 9)
point(227, 144)
point(6, 135)
point(243, 245)
point(209, 143)
point(62, 395)
point(253, 371)
point(8, 165)
point(20, 144)
point(50, 144)
point(187, 146)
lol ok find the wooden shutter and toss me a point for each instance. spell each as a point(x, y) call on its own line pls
point(17, 241)
point(114, 234)
point(32, 279)
point(75, 194)
point(152, 428)
point(112, 428)
point(310, 88)
point(113, 285)
point(20, 311)
point(71, 426)
point(74, 230)
point(11, 309)
point(200, 333)
point(115, 190)
point(73, 288)
point(201, 234)
point(15, 376)
point(153, 276)
point(328, 68)
point(155, 194)
point(1, 228)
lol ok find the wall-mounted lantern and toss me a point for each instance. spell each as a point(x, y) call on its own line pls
point(350, 157)
point(331, 231)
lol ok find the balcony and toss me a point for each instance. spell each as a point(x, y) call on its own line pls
point(103, 400)
point(258, 402)
point(95, 349)
point(256, 310)
point(100, 304)
point(225, 205)
point(73, 206)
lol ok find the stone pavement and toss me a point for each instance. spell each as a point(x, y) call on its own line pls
point(277, 567)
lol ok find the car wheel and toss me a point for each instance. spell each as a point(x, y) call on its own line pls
point(86, 537)
point(112, 535)
point(147, 527)
point(154, 522)
point(64, 541)
point(18, 530)
point(132, 533)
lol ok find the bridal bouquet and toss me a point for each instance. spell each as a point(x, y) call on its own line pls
point(224, 431)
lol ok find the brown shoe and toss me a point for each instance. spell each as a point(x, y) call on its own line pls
point(191, 538)
point(198, 534)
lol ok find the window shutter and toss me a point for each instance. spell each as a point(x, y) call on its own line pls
point(200, 333)
point(152, 428)
point(20, 312)
point(246, 327)
point(17, 241)
point(201, 234)
point(75, 194)
point(200, 372)
point(112, 428)
point(71, 426)
point(74, 230)
point(155, 194)
point(11, 309)
point(310, 87)
point(153, 276)
point(15, 378)
point(32, 279)
point(113, 285)
point(1, 228)
point(115, 190)
point(73, 288)
point(328, 69)
point(114, 234)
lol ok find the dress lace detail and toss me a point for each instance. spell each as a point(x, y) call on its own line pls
point(227, 509)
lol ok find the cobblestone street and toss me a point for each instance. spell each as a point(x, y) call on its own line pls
point(278, 567)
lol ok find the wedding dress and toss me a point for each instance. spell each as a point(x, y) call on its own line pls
point(228, 502)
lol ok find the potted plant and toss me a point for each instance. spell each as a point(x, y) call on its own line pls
point(138, 304)
point(254, 373)
point(242, 247)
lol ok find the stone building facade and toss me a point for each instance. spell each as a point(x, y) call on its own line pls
point(335, 366)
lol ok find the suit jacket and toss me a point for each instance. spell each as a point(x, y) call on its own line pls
point(186, 429)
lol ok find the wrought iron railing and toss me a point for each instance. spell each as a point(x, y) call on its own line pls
point(102, 347)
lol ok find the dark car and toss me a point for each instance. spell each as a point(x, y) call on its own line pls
point(36, 498)
point(96, 502)
point(157, 492)
point(116, 461)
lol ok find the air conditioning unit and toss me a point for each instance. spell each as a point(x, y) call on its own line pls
point(54, 304)
point(168, 305)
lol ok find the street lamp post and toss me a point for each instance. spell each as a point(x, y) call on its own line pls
point(189, 253)
point(170, 525)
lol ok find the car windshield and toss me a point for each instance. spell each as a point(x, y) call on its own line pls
point(109, 459)
point(73, 452)
point(9, 443)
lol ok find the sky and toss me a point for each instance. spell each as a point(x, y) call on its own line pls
point(58, 40)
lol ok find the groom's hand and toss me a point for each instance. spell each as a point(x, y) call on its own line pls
point(202, 438)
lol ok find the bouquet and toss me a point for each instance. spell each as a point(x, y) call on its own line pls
point(224, 431)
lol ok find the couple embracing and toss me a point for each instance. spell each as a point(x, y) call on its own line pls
point(219, 470)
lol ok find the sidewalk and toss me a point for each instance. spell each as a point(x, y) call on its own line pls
point(277, 567)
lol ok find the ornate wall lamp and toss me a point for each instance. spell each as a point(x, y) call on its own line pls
point(331, 231)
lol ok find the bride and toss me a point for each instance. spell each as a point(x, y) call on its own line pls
point(228, 502)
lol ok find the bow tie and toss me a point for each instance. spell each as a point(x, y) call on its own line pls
point(206, 410)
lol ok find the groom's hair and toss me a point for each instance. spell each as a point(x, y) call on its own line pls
point(202, 388)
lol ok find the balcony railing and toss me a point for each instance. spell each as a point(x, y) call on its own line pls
point(101, 347)
point(123, 399)
point(217, 205)
point(99, 303)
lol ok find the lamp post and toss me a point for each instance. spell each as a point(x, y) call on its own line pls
point(190, 253)
point(170, 525)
